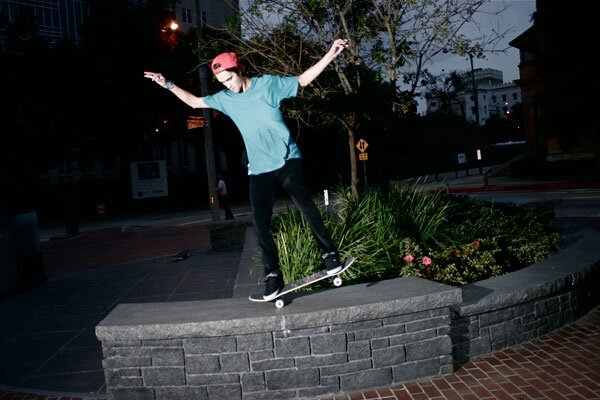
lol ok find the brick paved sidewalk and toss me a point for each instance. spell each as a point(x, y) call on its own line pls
point(112, 246)
point(563, 364)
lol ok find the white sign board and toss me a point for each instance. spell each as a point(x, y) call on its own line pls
point(149, 179)
point(462, 158)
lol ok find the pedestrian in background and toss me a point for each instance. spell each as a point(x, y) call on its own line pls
point(223, 197)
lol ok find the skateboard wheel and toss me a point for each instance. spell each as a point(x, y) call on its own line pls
point(337, 281)
point(279, 303)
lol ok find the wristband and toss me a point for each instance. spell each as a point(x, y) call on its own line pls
point(169, 85)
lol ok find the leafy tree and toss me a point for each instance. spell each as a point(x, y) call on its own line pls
point(446, 89)
point(396, 39)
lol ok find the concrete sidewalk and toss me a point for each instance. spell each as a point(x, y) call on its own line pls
point(50, 350)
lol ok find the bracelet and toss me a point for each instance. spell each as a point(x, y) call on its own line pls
point(169, 85)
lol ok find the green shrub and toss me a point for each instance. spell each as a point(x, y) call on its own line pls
point(411, 232)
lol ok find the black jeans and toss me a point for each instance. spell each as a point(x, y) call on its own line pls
point(224, 202)
point(262, 198)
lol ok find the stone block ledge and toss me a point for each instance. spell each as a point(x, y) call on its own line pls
point(335, 340)
point(346, 304)
point(340, 340)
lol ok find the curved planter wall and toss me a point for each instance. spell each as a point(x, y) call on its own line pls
point(517, 307)
point(342, 340)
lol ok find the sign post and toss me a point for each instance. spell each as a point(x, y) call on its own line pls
point(462, 160)
point(363, 156)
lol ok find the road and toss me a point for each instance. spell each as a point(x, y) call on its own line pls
point(570, 205)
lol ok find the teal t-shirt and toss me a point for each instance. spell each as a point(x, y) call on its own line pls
point(256, 113)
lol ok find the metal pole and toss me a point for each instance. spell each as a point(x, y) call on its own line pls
point(475, 99)
point(208, 151)
point(365, 172)
point(208, 137)
point(474, 90)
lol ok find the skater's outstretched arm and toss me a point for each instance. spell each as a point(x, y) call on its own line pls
point(313, 72)
point(182, 94)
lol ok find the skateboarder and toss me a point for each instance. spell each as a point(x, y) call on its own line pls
point(253, 103)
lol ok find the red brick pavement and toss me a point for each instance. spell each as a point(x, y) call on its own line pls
point(112, 246)
point(563, 364)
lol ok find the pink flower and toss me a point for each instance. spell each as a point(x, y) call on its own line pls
point(408, 258)
point(426, 260)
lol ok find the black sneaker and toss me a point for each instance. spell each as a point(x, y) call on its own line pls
point(332, 263)
point(273, 285)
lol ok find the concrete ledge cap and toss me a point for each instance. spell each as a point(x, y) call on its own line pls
point(240, 316)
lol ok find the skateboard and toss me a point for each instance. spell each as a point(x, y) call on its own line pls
point(300, 283)
point(182, 255)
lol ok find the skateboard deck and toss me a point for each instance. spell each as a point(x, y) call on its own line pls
point(182, 255)
point(300, 283)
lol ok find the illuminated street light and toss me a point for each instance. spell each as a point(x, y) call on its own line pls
point(171, 26)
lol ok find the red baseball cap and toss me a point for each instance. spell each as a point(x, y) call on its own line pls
point(224, 61)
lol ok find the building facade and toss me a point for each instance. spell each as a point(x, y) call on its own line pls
point(53, 20)
point(559, 120)
point(204, 13)
point(494, 97)
point(57, 20)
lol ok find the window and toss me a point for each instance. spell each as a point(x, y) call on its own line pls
point(494, 99)
point(503, 97)
point(514, 96)
point(186, 15)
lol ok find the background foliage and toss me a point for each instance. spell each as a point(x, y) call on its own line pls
point(413, 232)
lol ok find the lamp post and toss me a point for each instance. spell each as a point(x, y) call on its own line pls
point(475, 97)
point(208, 136)
point(208, 149)
point(476, 100)
point(209, 154)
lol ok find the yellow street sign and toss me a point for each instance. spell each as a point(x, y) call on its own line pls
point(362, 145)
point(363, 156)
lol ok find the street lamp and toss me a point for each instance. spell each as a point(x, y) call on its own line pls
point(476, 99)
point(209, 154)
point(208, 150)
point(208, 136)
